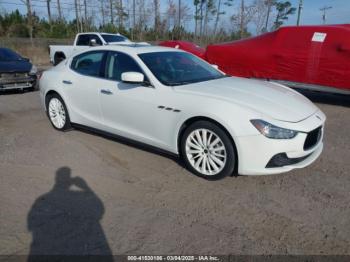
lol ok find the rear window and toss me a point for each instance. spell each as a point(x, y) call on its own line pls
point(84, 40)
point(114, 38)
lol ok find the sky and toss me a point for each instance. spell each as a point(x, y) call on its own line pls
point(311, 14)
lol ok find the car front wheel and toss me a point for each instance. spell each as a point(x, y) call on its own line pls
point(207, 150)
point(57, 113)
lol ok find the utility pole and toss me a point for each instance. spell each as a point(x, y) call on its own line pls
point(59, 10)
point(299, 11)
point(49, 10)
point(324, 9)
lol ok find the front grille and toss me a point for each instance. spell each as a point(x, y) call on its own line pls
point(313, 138)
point(16, 80)
point(13, 75)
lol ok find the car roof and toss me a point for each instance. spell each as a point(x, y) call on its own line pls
point(135, 48)
point(101, 33)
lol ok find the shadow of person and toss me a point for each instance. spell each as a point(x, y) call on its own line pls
point(66, 220)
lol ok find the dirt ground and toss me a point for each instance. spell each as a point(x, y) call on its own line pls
point(78, 193)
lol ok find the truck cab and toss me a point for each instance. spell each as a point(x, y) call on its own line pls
point(83, 41)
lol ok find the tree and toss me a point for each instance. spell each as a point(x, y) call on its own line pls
point(242, 19)
point(59, 10)
point(209, 10)
point(171, 15)
point(103, 12)
point(30, 23)
point(76, 14)
point(121, 13)
point(201, 6)
point(260, 15)
point(157, 22)
point(270, 4)
point(196, 16)
point(111, 11)
point(219, 12)
point(284, 9)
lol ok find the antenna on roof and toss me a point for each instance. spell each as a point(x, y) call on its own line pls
point(324, 9)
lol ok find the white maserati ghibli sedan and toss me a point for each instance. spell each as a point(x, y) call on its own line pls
point(173, 100)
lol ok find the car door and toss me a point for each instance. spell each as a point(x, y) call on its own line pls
point(128, 109)
point(82, 87)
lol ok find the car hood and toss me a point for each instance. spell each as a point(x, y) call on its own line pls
point(276, 101)
point(19, 66)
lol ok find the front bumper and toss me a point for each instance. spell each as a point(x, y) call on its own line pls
point(17, 81)
point(259, 155)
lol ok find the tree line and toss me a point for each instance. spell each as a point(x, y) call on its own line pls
point(203, 21)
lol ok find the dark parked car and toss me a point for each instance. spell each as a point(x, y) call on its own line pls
point(16, 72)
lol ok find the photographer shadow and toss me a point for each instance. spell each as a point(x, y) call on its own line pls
point(66, 221)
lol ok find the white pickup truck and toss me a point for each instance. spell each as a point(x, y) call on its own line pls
point(83, 41)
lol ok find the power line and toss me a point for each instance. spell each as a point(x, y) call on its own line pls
point(324, 9)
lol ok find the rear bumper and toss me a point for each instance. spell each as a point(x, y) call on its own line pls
point(259, 155)
point(18, 82)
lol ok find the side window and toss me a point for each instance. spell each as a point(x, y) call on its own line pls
point(88, 63)
point(83, 40)
point(98, 40)
point(118, 63)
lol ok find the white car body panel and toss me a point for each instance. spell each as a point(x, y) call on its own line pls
point(132, 110)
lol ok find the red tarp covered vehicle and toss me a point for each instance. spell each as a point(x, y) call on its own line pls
point(316, 55)
point(186, 46)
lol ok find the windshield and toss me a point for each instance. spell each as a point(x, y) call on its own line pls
point(179, 68)
point(114, 38)
point(9, 55)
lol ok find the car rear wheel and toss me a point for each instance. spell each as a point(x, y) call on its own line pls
point(207, 150)
point(57, 113)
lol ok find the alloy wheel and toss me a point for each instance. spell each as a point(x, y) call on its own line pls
point(57, 113)
point(206, 152)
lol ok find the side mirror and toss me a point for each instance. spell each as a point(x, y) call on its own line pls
point(93, 42)
point(133, 77)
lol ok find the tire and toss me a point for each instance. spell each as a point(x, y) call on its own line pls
point(57, 113)
point(31, 89)
point(207, 150)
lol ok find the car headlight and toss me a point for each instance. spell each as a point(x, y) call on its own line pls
point(34, 70)
point(272, 131)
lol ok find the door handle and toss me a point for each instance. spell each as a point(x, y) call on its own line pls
point(106, 92)
point(67, 82)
